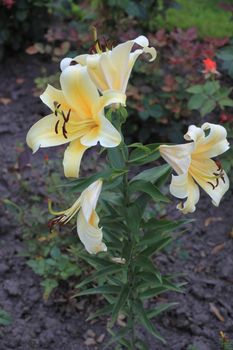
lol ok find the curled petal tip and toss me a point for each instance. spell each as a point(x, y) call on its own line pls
point(65, 63)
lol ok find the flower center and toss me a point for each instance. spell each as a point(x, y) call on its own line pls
point(65, 118)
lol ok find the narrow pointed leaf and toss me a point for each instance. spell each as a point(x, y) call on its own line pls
point(142, 315)
point(100, 290)
point(101, 273)
point(119, 303)
point(150, 189)
point(152, 174)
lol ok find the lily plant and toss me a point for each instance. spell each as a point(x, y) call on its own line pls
point(121, 239)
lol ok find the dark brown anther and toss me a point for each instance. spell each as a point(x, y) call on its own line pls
point(216, 174)
point(68, 115)
point(223, 179)
point(55, 103)
point(211, 184)
point(58, 106)
point(55, 112)
point(63, 115)
point(73, 63)
point(56, 221)
point(217, 182)
point(56, 127)
point(219, 165)
point(64, 130)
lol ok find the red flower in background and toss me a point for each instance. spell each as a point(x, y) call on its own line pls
point(226, 117)
point(8, 3)
point(210, 67)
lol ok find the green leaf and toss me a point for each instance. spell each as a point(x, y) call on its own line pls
point(119, 303)
point(144, 262)
point(196, 101)
point(152, 174)
point(101, 273)
point(158, 226)
point(100, 290)
point(211, 87)
point(150, 189)
point(144, 154)
point(143, 318)
point(153, 292)
point(49, 285)
point(96, 260)
point(195, 89)
point(133, 218)
point(228, 102)
point(118, 337)
point(207, 107)
point(115, 157)
point(5, 318)
point(141, 345)
point(156, 246)
point(106, 310)
point(159, 309)
point(82, 183)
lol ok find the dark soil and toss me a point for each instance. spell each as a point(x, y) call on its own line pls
point(203, 254)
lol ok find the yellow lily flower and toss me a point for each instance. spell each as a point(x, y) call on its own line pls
point(77, 117)
point(87, 219)
point(110, 70)
point(192, 163)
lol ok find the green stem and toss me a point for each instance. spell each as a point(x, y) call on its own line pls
point(130, 272)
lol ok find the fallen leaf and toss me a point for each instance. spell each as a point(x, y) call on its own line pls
point(218, 248)
point(100, 338)
point(31, 50)
point(5, 101)
point(89, 333)
point(89, 341)
point(19, 81)
point(216, 312)
point(212, 219)
point(120, 321)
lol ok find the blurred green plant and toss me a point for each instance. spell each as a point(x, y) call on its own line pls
point(226, 55)
point(208, 96)
point(225, 342)
point(210, 19)
point(42, 81)
point(5, 318)
point(22, 22)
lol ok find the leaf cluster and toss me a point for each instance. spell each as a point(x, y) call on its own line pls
point(208, 96)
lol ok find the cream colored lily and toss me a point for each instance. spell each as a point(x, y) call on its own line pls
point(77, 117)
point(87, 219)
point(110, 70)
point(192, 163)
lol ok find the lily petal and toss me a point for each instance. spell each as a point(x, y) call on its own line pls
point(202, 170)
point(194, 134)
point(178, 156)
point(52, 95)
point(42, 134)
point(215, 143)
point(193, 195)
point(89, 198)
point(80, 91)
point(105, 134)
point(72, 158)
point(90, 235)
